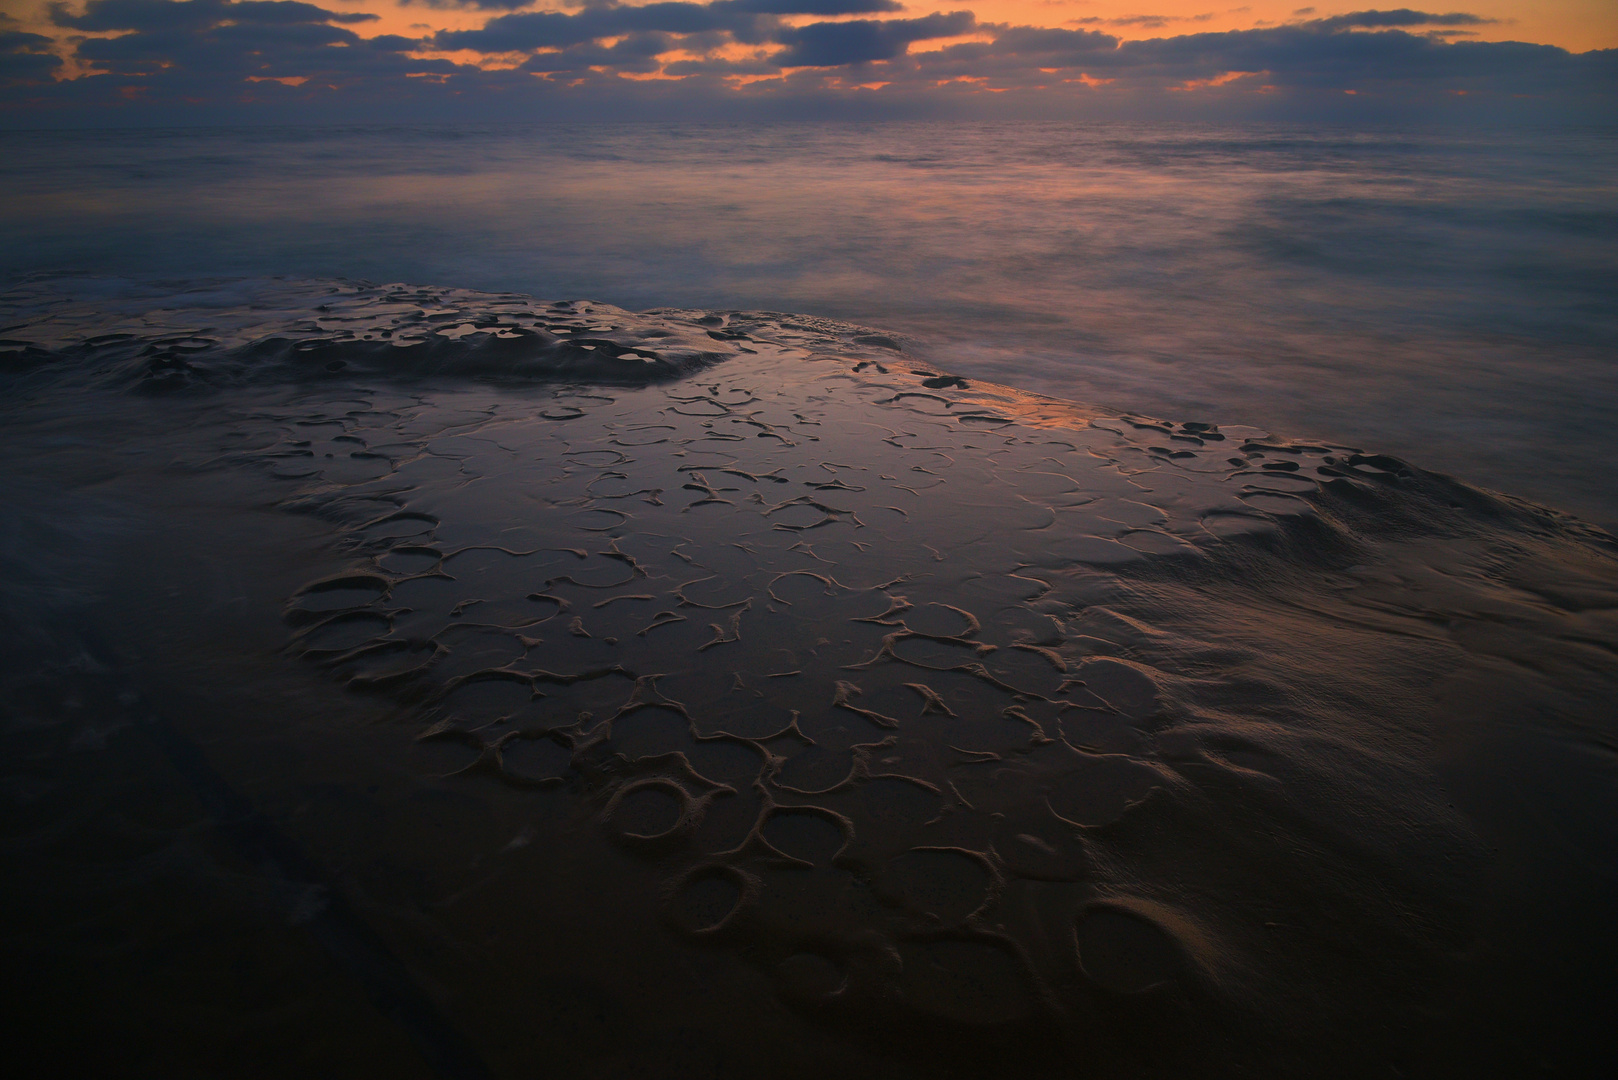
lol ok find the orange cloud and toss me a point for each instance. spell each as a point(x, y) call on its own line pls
point(1223, 79)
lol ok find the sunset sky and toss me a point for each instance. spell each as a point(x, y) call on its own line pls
point(404, 59)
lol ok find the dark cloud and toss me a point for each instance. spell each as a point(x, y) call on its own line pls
point(154, 15)
point(18, 41)
point(521, 33)
point(207, 50)
point(1038, 47)
point(1315, 56)
point(748, 21)
point(693, 68)
point(391, 43)
point(24, 58)
point(472, 5)
point(1309, 57)
point(1402, 17)
point(864, 40)
point(633, 53)
point(553, 29)
point(177, 51)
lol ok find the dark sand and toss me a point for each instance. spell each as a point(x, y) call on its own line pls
point(417, 682)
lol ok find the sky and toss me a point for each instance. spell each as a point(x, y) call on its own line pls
point(168, 61)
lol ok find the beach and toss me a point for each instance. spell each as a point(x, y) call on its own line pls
point(446, 682)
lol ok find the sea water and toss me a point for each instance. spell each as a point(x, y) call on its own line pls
point(1448, 295)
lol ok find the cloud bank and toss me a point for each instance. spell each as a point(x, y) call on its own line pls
point(279, 60)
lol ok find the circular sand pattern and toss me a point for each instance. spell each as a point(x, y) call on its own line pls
point(649, 811)
point(954, 710)
point(708, 899)
point(1126, 953)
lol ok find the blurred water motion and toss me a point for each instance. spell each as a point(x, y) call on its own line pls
point(1452, 296)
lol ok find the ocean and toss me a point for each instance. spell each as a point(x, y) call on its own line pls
point(1446, 295)
point(741, 603)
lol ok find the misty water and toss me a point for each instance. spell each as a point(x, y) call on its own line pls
point(1450, 296)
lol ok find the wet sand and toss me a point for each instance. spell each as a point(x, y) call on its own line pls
point(458, 684)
